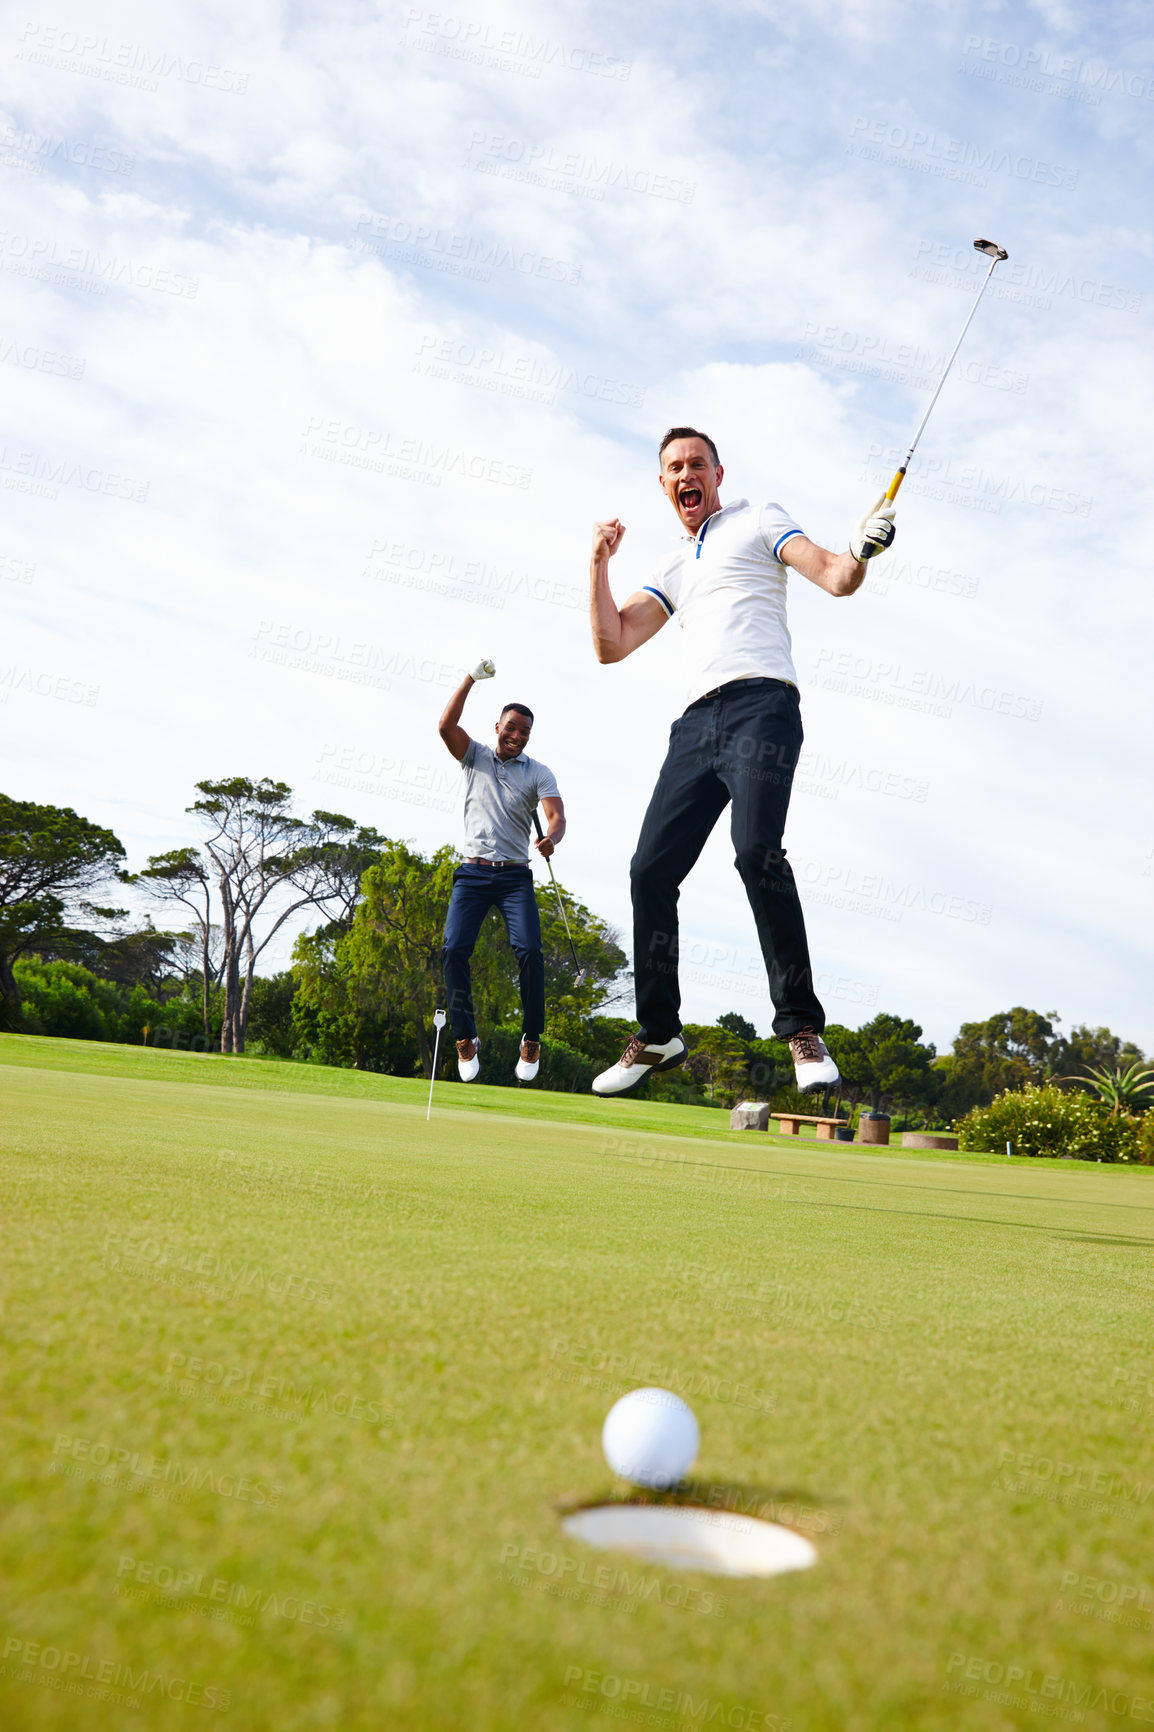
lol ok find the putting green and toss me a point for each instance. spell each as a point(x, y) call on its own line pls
point(301, 1386)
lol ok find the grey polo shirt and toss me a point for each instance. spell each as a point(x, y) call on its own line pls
point(499, 801)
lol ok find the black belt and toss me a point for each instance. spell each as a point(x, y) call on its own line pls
point(495, 864)
point(756, 680)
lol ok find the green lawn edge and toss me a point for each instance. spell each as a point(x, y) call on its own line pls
point(630, 1118)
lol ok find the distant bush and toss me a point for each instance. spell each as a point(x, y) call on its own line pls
point(1046, 1120)
point(1146, 1139)
point(67, 1000)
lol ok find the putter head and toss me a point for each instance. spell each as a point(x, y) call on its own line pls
point(579, 977)
point(991, 249)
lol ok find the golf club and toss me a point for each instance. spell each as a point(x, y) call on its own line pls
point(995, 254)
point(580, 975)
point(438, 1024)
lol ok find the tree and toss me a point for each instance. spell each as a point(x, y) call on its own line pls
point(260, 861)
point(738, 1025)
point(716, 1058)
point(1007, 1051)
point(49, 856)
point(366, 995)
point(884, 1061)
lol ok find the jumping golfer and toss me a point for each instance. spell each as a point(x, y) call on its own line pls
point(502, 788)
point(737, 742)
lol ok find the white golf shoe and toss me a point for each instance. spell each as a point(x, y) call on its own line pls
point(812, 1065)
point(529, 1063)
point(640, 1060)
point(468, 1063)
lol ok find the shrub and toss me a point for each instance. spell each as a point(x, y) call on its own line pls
point(1146, 1139)
point(1046, 1120)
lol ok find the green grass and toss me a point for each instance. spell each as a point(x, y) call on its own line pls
point(942, 1370)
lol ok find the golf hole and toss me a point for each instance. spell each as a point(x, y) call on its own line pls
point(686, 1538)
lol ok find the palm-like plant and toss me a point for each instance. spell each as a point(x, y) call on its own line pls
point(1117, 1087)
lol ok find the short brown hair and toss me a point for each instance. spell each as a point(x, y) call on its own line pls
point(688, 433)
point(521, 710)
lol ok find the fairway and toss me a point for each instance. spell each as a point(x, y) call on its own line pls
point(299, 1388)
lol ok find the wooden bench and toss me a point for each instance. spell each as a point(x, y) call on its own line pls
point(788, 1124)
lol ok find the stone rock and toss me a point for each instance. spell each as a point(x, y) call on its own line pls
point(750, 1116)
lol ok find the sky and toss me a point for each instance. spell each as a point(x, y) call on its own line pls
point(327, 334)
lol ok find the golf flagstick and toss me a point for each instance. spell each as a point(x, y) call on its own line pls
point(438, 1024)
point(581, 972)
point(995, 254)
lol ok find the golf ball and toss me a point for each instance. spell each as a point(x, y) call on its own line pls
point(650, 1438)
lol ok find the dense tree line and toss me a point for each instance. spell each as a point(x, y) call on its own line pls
point(365, 981)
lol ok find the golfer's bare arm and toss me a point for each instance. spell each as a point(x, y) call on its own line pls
point(617, 631)
point(836, 573)
point(449, 727)
point(553, 807)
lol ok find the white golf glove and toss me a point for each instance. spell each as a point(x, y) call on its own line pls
point(875, 532)
point(484, 670)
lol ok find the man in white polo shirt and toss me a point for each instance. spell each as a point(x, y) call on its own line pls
point(738, 741)
point(502, 788)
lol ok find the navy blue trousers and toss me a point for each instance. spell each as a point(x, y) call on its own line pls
point(738, 747)
point(476, 889)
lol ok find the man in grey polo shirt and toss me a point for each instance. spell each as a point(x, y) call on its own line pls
point(736, 744)
point(502, 789)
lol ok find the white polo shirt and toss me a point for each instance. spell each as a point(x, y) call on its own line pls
point(727, 586)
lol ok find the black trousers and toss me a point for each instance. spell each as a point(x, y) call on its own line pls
point(740, 745)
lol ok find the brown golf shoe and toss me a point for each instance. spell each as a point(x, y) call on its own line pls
point(529, 1062)
point(468, 1063)
point(813, 1066)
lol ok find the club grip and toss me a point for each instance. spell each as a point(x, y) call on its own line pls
point(537, 825)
